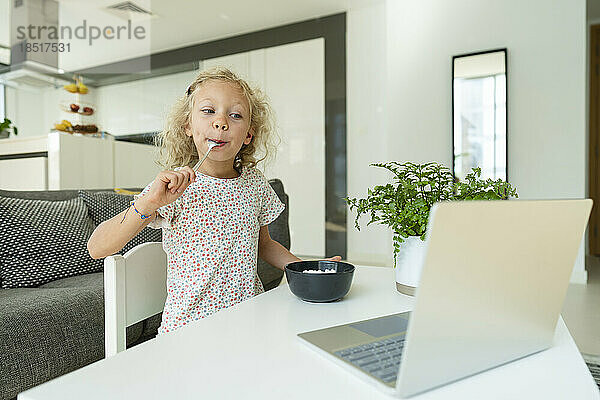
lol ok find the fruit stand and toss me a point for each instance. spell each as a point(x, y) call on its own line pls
point(79, 111)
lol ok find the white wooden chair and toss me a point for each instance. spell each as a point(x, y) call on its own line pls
point(134, 289)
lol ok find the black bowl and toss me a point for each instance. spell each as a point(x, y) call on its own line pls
point(319, 287)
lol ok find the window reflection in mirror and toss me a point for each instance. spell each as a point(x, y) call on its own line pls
point(479, 114)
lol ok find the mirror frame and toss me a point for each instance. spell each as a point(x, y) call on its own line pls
point(505, 50)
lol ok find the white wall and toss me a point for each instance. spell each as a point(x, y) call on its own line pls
point(26, 109)
point(546, 86)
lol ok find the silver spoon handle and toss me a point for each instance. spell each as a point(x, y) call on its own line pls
point(199, 163)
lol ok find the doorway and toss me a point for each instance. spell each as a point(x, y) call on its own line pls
point(594, 140)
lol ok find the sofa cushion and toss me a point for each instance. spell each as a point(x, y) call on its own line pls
point(45, 333)
point(50, 195)
point(48, 331)
point(105, 205)
point(95, 280)
point(43, 241)
point(136, 332)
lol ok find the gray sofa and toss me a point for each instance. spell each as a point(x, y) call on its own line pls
point(57, 327)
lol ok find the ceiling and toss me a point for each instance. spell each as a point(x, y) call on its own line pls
point(178, 23)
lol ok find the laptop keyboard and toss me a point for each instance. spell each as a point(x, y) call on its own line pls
point(380, 359)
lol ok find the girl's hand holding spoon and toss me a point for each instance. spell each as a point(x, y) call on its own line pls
point(170, 185)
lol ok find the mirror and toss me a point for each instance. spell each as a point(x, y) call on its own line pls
point(479, 114)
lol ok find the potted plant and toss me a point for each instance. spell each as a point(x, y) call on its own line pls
point(404, 206)
point(4, 128)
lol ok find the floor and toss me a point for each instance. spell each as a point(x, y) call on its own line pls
point(581, 310)
point(581, 313)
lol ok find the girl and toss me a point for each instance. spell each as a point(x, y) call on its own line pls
point(215, 219)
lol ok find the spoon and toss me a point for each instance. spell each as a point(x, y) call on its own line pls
point(210, 147)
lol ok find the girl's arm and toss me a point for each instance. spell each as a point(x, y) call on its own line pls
point(274, 253)
point(112, 235)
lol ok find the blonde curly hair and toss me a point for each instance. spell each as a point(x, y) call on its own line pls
point(176, 149)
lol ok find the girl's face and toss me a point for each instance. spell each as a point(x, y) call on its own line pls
point(221, 114)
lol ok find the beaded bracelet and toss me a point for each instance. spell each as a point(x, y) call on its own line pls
point(142, 216)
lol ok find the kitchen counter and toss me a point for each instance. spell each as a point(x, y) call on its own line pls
point(60, 160)
point(35, 144)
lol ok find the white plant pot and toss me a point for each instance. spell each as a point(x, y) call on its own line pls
point(409, 265)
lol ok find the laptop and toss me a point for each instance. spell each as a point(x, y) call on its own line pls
point(494, 279)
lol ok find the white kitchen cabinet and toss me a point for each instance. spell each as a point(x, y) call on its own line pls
point(62, 161)
point(293, 77)
point(24, 173)
point(134, 164)
point(79, 162)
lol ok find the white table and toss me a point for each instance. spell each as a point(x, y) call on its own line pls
point(251, 351)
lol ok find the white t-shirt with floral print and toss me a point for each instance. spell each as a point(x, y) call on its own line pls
point(210, 236)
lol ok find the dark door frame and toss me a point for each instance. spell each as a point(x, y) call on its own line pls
point(593, 140)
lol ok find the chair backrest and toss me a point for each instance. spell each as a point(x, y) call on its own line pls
point(280, 232)
point(134, 289)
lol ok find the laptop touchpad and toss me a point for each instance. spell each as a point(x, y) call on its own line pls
point(385, 326)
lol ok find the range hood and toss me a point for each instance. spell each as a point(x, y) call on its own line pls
point(31, 70)
point(32, 75)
